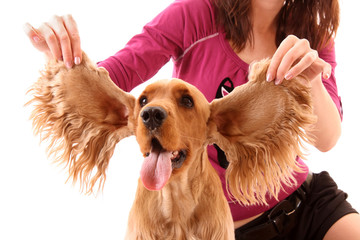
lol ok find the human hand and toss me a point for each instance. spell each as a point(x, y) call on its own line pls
point(294, 56)
point(59, 38)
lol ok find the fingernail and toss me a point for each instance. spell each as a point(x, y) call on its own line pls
point(277, 81)
point(326, 76)
point(36, 39)
point(268, 77)
point(77, 60)
point(68, 64)
point(288, 76)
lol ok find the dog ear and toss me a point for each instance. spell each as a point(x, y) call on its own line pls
point(261, 128)
point(83, 115)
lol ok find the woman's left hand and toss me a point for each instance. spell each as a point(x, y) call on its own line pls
point(294, 56)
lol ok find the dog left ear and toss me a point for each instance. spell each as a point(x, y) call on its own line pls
point(83, 115)
point(261, 127)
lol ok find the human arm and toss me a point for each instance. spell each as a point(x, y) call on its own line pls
point(327, 129)
point(294, 56)
point(140, 59)
point(165, 37)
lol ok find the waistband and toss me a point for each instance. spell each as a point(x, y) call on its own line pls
point(279, 220)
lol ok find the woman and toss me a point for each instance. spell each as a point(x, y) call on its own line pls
point(212, 43)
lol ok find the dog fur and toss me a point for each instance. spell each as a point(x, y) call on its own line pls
point(261, 128)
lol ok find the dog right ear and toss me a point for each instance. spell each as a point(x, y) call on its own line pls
point(83, 115)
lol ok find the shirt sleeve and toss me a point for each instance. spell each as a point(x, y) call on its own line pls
point(328, 55)
point(165, 37)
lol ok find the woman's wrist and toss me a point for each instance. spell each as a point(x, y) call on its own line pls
point(327, 130)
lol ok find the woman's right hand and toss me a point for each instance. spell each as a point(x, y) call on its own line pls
point(59, 38)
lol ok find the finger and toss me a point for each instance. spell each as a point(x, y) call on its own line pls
point(51, 40)
point(296, 53)
point(327, 69)
point(283, 48)
point(32, 33)
point(305, 62)
point(73, 33)
point(36, 38)
point(62, 35)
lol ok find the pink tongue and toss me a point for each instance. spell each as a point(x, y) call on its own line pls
point(156, 170)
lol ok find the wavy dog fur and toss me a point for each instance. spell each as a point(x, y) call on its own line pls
point(261, 127)
point(81, 133)
point(262, 135)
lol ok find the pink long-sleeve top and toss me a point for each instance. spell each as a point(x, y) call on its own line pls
point(186, 33)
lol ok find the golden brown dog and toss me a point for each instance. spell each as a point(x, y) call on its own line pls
point(260, 127)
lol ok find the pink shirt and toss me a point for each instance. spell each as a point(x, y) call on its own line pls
point(186, 32)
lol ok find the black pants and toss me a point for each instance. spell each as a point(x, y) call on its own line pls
point(323, 206)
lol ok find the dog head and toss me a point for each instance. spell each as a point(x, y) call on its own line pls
point(259, 126)
point(171, 118)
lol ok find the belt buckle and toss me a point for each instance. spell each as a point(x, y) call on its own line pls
point(278, 215)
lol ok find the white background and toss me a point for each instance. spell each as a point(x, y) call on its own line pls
point(35, 202)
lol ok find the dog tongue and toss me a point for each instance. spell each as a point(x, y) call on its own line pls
point(156, 169)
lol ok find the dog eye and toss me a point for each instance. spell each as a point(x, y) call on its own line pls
point(143, 101)
point(187, 101)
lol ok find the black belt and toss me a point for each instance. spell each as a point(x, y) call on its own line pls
point(277, 221)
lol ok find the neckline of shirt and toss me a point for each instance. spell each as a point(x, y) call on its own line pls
point(230, 52)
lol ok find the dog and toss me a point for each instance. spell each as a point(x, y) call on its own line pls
point(260, 127)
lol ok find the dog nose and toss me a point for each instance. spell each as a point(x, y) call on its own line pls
point(153, 117)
